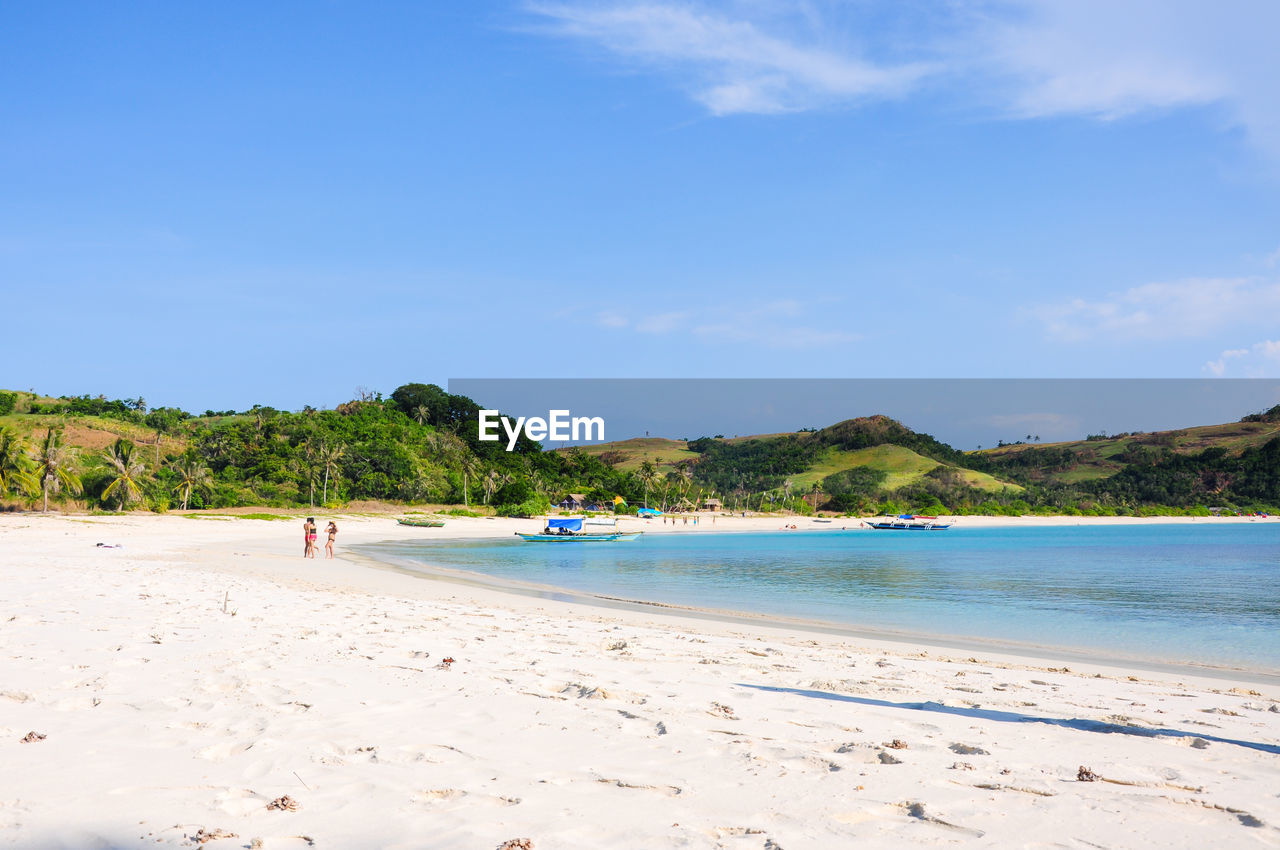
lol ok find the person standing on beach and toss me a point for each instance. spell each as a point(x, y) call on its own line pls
point(333, 533)
point(309, 538)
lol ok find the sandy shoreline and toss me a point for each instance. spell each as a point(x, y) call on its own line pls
point(374, 558)
point(570, 725)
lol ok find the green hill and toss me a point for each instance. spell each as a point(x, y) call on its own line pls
point(628, 455)
point(1100, 456)
point(901, 466)
point(421, 445)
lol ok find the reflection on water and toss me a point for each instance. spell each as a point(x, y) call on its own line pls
point(1190, 592)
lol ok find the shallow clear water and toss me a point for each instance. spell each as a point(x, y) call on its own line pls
point(1175, 593)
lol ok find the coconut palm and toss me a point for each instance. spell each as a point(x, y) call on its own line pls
point(15, 466)
point(647, 475)
point(422, 413)
point(52, 460)
point(684, 476)
point(492, 483)
point(191, 475)
point(126, 486)
point(470, 466)
point(328, 457)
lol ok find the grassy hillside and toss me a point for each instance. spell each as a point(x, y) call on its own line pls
point(627, 455)
point(901, 466)
point(860, 459)
point(1077, 461)
point(421, 446)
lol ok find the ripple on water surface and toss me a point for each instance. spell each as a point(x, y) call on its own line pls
point(1193, 593)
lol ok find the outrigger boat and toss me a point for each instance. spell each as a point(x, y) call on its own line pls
point(577, 530)
point(910, 522)
point(422, 523)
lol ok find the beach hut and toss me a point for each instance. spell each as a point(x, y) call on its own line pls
point(712, 505)
point(573, 502)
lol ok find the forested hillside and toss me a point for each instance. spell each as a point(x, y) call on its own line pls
point(420, 445)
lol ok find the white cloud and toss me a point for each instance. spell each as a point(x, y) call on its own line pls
point(1025, 58)
point(730, 64)
point(1261, 360)
point(662, 323)
point(761, 325)
point(609, 319)
point(1179, 310)
point(775, 324)
point(1108, 59)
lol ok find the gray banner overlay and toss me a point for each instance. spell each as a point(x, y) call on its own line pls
point(966, 413)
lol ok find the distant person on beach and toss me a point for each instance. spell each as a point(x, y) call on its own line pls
point(309, 537)
point(333, 533)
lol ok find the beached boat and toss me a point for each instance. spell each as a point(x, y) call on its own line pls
point(422, 523)
point(578, 530)
point(910, 522)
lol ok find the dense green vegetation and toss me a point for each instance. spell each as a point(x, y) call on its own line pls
point(412, 447)
point(1234, 467)
point(421, 446)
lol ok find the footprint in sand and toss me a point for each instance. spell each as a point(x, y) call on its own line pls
point(441, 795)
point(223, 750)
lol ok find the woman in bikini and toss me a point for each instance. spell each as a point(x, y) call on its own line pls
point(333, 532)
point(309, 537)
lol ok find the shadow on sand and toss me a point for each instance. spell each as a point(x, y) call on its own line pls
point(1015, 717)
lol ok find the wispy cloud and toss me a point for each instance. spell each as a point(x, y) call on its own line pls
point(1180, 310)
point(1108, 59)
point(1261, 360)
point(730, 64)
point(779, 324)
point(610, 319)
point(1023, 58)
point(662, 323)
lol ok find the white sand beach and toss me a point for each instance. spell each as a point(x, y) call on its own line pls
point(180, 685)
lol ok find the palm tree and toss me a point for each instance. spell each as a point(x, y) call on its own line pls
point(492, 483)
point(422, 413)
point(52, 460)
point(684, 471)
point(15, 466)
point(328, 456)
point(191, 475)
point(647, 475)
point(470, 466)
point(126, 486)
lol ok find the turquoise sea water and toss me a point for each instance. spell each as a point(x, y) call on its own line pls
point(1186, 593)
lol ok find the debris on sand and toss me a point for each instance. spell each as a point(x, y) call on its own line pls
point(284, 804)
point(516, 844)
point(1084, 774)
point(32, 737)
point(202, 836)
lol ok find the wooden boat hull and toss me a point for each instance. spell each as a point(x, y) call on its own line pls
point(422, 523)
point(909, 526)
point(579, 538)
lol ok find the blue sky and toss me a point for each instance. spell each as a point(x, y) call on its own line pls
point(216, 205)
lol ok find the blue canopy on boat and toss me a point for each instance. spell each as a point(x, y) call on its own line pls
point(574, 524)
point(648, 512)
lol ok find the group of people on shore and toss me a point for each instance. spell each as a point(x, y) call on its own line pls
point(309, 538)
